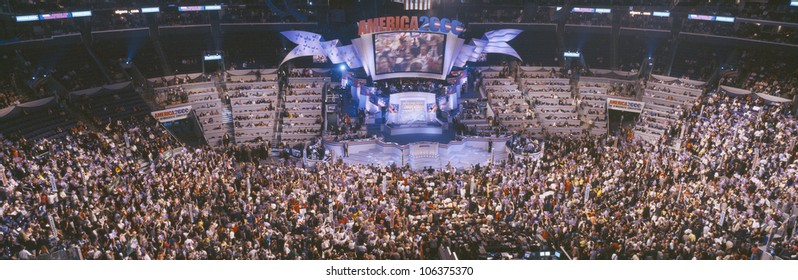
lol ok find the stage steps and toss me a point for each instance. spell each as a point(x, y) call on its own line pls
point(372, 129)
point(470, 94)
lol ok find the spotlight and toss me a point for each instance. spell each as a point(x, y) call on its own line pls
point(342, 67)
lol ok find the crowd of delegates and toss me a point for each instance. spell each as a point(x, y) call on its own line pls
point(524, 145)
point(180, 80)
point(771, 10)
point(28, 67)
point(406, 85)
point(130, 191)
point(41, 29)
point(589, 19)
point(104, 16)
point(179, 18)
point(305, 73)
point(110, 20)
point(771, 33)
point(765, 73)
point(348, 129)
point(615, 88)
point(709, 27)
point(13, 88)
point(8, 95)
point(259, 14)
point(646, 21)
point(348, 126)
point(510, 15)
point(316, 151)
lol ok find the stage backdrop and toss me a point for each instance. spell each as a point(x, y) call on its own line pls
point(411, 107)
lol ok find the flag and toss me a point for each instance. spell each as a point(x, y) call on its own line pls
point(497, 42)
point(502, 35)
point(308, 44)
point(464, 56)
point(501, 48)
point(331, 49)
point(346, 54)
point(587, 193)
point(249, 186)
point(312, 44)
point(3, 175)
point(492, 42)
point(418, 4)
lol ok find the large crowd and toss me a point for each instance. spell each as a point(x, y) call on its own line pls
point(764, 73)
point(130, 191)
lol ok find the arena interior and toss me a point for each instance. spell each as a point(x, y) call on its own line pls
point(398, 130)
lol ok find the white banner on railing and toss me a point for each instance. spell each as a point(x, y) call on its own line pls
point(172, 114)
point(625, 105)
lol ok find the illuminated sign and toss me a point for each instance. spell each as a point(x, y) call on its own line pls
point(656, 14)
point(410, 23)
point(212, 57)
point(81, 14)
point(571, 54)
point(199, 8)
point(710, 18)
point(126, 12)
point(662, 14)
point(173, 114)
point(591, 10)
point(625, 105)
point(53, 16)
point(151, 10)
point(190, 8)
point(700, 17)
point(27, 18)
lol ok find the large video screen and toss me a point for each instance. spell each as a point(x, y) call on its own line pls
point(399, 52)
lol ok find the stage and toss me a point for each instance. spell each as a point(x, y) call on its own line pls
point(441, 134)
point(414, 128)
point(460, 154)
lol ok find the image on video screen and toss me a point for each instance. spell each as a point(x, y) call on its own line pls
point(398, 52)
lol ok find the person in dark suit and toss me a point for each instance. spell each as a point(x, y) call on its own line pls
point(226, 140)
point(346, 149)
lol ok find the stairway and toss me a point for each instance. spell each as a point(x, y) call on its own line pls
point(227, 121)
point(278, 117)
point(227, 115)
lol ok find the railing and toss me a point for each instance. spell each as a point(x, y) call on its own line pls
point(337, 148)
point(72, 253)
